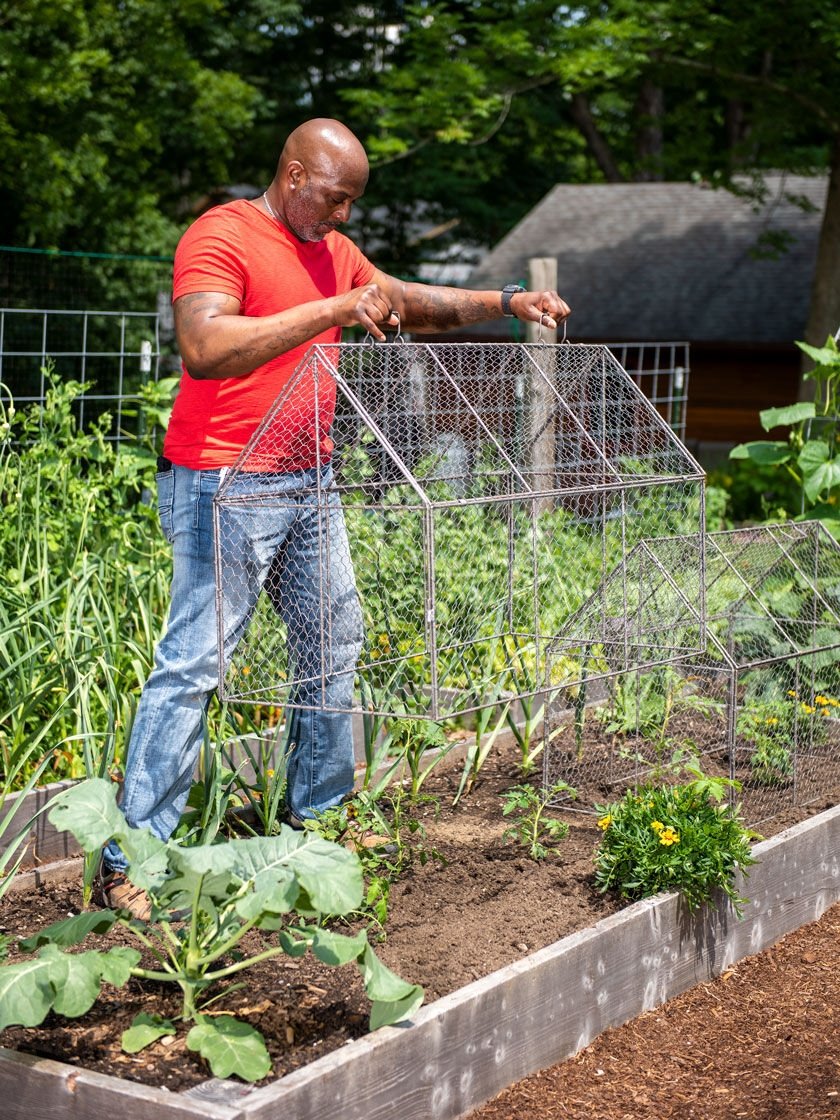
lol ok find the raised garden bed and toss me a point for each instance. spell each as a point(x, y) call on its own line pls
point(463, 1047)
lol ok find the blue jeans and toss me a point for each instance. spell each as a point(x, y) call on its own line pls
point(293, 541)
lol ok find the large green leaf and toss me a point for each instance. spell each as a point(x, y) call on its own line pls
point(330, 875)
point(117, 963)
point(71, 931)
point(88, 810)
point(338, 948)
point(393, 999)
point(821, 472)
point(76, 978)
point(762, 451)
point(787, 414)
point(146, 855)
point(26, 994)
point(144, 1030)
point(822, 355)
point(65, 982)
point(230, 1047)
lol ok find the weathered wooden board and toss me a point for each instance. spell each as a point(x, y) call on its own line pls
point(462, 1049)
point(39, 1089)
point(45, 844)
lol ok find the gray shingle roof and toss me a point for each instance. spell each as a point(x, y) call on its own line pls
point(669, 260)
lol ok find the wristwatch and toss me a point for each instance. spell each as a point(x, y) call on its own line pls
point(507, 291)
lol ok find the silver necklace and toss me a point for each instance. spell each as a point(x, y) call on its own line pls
point(270, 208)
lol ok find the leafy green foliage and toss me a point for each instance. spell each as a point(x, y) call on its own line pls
point(85, 591)
point(538, 833)
point(776, 724)
point(641, 703)
point(205, 900)
point(411, 739)
point(810, 456)
point(107, 141)
point(682, 838)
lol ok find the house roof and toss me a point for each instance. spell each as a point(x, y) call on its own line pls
point(670, 260)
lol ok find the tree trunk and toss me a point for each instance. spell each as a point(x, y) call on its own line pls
point(650, 110)
point(582, 116)
point(824, 312)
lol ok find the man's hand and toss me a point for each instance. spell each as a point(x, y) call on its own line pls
point(545, 308)
point(368, 306)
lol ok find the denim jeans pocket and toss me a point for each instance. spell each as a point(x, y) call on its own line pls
point(166, 502)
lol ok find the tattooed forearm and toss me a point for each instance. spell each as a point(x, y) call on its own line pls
point(436, 308)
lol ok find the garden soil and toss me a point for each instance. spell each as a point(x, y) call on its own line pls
point(757, 1042)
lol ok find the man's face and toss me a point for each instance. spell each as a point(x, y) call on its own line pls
point(320, 203)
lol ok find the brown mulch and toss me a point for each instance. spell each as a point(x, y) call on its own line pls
point(476, 904)
point(756, 1043)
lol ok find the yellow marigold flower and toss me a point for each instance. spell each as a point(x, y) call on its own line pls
point(245, 670)
point(834, 703)
point(791, 693)
point(657, 826)
point(821, 699)
point(808, 709)
point(669, 836)
point(605, 821)
point(772, 720)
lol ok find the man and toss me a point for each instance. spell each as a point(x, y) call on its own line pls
point(255, 284)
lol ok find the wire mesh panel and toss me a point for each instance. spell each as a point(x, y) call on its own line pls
point(112, 352)
point(761, 704)
point(661, 370)
point(469, 498)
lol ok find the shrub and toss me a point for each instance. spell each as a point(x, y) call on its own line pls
point(673, 838)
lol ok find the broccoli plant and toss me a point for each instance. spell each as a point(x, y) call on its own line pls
point(204, 899)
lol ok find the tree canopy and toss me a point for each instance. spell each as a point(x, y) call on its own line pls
point(118, 119)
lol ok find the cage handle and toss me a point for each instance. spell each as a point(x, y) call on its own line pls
point(540, 332)
point(398, 336)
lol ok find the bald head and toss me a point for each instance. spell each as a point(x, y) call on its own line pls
point(325, 146)
point(322, 170)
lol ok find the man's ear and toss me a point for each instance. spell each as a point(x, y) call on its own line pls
point(296, 174)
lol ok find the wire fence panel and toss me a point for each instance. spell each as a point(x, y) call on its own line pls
point(470, 498)
point(760, 706)
point(112, 352)
point(661, 370)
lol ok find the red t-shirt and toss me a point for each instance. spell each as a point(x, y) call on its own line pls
point(241, 251)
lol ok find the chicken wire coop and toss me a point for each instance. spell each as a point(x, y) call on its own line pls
point(474, 494)
point(761, 704)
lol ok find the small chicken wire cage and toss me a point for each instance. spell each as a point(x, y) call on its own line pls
point(760, 706)
point(474, 494)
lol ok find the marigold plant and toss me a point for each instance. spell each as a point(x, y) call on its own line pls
point(684, 838)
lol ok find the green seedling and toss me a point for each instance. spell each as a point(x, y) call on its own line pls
point(531, 828)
